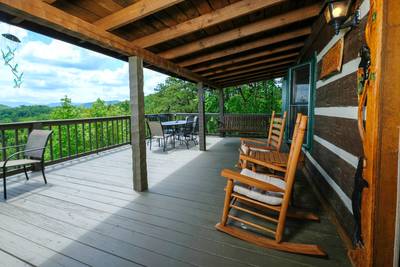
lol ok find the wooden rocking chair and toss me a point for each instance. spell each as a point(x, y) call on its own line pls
point(275, 135)
point(263, 155)
point(267, 192)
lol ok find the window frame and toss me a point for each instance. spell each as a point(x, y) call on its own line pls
point(311, 99)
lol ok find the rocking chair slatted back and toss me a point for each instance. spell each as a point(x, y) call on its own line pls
point(276, 131)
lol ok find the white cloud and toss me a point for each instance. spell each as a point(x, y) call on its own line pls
point(53, 69)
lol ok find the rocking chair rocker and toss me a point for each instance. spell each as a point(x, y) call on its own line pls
point(269, 192)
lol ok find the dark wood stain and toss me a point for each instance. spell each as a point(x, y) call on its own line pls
point(338, 169)
point(346, 218)
point(342, 92)
point(345, 134)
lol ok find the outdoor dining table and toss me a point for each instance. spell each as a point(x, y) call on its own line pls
point(173, 123)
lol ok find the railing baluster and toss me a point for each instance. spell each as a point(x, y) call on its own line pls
point(4, 144)
point(117, 132)
point(60, 142)
point(90, 137)
point(83, 137)
point(97, 135)
point(101, 134)
point(108, 133)
point(112, 132)
point(69, 140)
point(17, 143)
point(51, 146)
point(130, 131)
point(76, 140)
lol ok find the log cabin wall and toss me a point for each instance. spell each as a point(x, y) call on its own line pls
point(336, 145)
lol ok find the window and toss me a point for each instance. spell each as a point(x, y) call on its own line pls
point(300, 97)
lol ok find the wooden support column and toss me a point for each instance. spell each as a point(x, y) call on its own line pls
point(202, 117)
point(221, 108)
point(138, 140)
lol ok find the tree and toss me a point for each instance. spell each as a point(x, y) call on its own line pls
point(66, 110)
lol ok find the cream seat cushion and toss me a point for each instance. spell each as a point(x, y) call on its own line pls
point(271, 198)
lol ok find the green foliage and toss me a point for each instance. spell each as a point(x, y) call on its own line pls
point(24, 113)
point(66, 111)
point(174, 95)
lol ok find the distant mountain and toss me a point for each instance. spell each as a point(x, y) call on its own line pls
point(7, 104)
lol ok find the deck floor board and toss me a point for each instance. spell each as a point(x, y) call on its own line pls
point(88, 215)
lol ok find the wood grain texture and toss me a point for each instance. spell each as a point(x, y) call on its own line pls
point(247, 30)
point(344, 136)
point(226, 13)
point(332, 61)
point(134, 12)
point(338, 169)
point(340, 93)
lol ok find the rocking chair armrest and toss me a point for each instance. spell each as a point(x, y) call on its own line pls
point(261, 147)
point(252, 140)
point(262, 163)
point(235, 176)
point(20, 152)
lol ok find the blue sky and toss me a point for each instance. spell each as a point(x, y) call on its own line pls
point(53, 68)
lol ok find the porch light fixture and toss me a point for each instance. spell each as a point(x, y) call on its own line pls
point(337, 14)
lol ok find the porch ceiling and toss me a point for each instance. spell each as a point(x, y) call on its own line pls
point(217, 42)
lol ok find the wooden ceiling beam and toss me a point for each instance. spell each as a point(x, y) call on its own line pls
point(136, 11)
point(268, 60)
point(48, 16)
point(247, 70)
point(49, 1)
point(247, 46)
point(244, 31)
point(221, 15)
point(255, 76)
point(237, 60)
point(259, 74)
point(262, 78)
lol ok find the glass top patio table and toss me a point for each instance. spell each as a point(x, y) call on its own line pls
point(173, 123)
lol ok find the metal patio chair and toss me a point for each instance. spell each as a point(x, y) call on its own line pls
point(157, 132)
point(33, 153)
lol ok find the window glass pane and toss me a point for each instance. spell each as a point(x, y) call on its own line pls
point(299, 94)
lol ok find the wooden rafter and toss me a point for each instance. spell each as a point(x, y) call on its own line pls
point(134, 12)
point(244, 31)
point(229, 12)
point(258, 79)
point(48, 16)
point(49, 1)
point(247, 46)
point(248, 77)
point(247, 70)
point(237, 60)
point(237, 67)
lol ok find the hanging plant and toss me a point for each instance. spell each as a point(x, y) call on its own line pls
point(8, 49)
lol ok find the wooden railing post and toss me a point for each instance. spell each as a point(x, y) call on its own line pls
point(138, 124)
point(202, 118)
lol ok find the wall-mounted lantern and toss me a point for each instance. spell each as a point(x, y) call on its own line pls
point(337, 14)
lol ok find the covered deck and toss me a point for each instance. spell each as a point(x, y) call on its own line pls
point(89, 215)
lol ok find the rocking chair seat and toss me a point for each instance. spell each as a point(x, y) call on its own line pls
point(19, 162)
point(271, 198)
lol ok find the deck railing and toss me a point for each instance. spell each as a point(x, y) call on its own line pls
point(71, 138)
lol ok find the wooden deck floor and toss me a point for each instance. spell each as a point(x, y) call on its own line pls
point(88, 215)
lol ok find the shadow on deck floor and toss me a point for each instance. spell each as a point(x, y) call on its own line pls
point(89, 215)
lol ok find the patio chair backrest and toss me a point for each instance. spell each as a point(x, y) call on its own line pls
point(155, 128)
point(37, 139)
point(195, 124)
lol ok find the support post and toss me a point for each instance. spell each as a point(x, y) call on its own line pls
point(221, 109)
point(202, 117)
point(138, 136)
